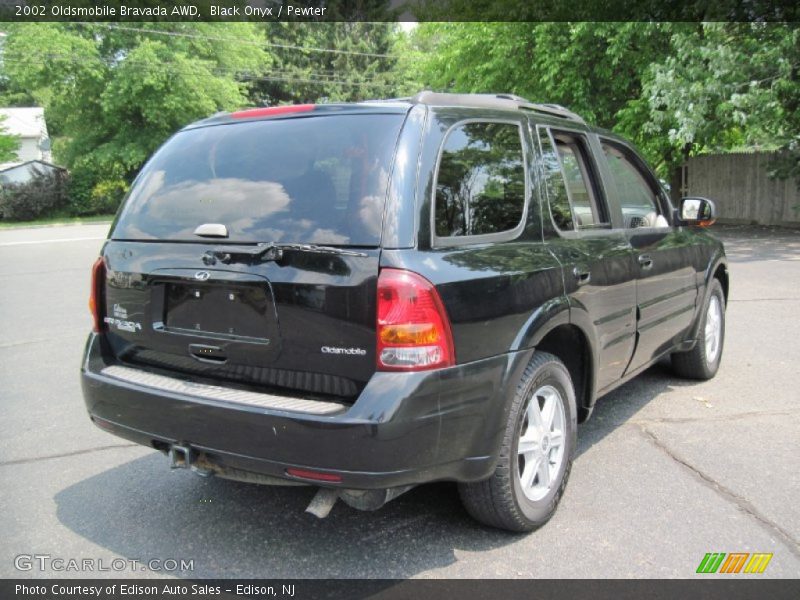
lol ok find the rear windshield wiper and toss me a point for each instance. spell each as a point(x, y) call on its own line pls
point(271, 251)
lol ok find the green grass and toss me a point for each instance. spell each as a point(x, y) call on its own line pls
point(53, 221)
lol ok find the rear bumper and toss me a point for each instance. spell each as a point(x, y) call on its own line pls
point(404, 429)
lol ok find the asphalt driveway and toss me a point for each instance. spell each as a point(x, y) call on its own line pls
point(667, 471)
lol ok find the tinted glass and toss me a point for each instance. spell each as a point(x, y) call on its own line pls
point(577, 180)
point(554, 185)
point(316, 180)
point(480, 187)
point(635, 195)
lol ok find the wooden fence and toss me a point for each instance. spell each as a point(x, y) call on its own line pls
point(741, 188)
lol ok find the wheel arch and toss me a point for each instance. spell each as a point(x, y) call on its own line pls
point(562, 341)
point(717, 269)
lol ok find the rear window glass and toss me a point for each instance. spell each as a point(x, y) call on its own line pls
point(319, 180)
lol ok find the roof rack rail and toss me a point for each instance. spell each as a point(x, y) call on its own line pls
point(553, 109)
point(503, 101)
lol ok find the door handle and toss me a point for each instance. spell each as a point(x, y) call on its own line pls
point(645, 261)
point(581, 276)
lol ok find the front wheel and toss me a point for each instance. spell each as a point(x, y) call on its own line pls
point(702, 362)
point(536, 453)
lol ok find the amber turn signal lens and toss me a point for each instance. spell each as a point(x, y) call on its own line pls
point(423, 333)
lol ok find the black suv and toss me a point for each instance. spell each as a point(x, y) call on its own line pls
point(370, 296)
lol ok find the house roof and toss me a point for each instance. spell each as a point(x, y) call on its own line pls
point(27, 122)
point(13, 165)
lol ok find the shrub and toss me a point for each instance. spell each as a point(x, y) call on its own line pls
point(107, 195)
point(79, 192)
point(95, 191)
point(39, 197)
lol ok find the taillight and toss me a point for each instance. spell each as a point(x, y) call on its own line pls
point(413, 328)
point(96, 295)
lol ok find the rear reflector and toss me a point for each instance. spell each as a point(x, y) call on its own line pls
point(413, 328)
point(314, 475)
point(96, 295)
point(271, 111)
point(103, 424)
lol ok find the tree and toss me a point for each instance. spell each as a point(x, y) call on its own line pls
point(675, 89)
point(331, 61)
point(114, 92)
point(9, 144)
point(593, 68)
point(728, 86)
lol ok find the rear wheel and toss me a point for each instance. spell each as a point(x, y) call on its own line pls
point(702, 361)
point(536, 453)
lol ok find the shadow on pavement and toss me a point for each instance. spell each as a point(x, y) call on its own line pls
point(142, 510)
point(619, 406)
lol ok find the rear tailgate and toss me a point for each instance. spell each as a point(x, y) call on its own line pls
point(306, 322)
point(184, 291)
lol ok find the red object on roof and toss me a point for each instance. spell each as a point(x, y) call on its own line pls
point(269, 111)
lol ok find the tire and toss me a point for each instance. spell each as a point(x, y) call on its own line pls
point(702, 361)
point(500, 501)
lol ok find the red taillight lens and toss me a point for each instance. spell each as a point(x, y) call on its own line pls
point(96, 296)
point(271, 111)
point(413, 328)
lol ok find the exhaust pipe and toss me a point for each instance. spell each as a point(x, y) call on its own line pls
point(183, 456)
point(325, 498)
point(323, 502)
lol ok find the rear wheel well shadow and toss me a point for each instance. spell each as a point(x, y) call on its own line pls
point(722, 274)
point(569, 344)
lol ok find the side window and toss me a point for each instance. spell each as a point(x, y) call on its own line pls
point(637, 198)
point(574, 199)
point(577, 178)
point(480, 185)
point(554, 184)
point(587, 211)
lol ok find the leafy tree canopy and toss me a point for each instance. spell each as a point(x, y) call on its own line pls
point(9, 144)
point(114, 92)
point(676, 89)
point(337, 62)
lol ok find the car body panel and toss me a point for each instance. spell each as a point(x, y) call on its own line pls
point(405, 428)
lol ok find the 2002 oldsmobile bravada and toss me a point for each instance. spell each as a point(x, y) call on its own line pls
point(370, 296)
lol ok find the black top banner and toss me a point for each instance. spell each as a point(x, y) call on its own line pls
point(402, 10)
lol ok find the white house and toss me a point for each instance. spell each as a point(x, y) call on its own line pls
point(34, 150)
point(25, 171)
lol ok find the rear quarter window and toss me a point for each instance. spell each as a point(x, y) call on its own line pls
point(320, 180)
point(480, 182)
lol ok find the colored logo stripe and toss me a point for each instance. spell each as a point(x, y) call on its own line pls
point(735, 561)
point(711, 562)
point(758, 563)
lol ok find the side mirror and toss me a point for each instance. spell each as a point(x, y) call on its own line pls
point(698, 211)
